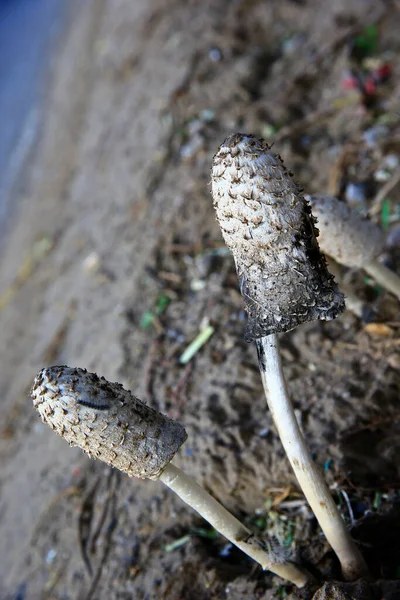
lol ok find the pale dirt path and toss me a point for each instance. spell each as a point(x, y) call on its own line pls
point(102, 141)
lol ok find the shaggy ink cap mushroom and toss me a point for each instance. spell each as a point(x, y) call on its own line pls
point(352, 240)
point(112, 425)
point(344, 234)
point(106, 421)
point(268, 226)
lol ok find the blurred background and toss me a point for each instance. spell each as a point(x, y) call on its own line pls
point(29, 32)
point(111, 259)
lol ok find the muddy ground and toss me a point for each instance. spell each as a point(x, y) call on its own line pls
point(114, 262)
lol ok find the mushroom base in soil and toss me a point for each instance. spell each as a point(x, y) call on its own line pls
point(111, 424)
point(268, 226)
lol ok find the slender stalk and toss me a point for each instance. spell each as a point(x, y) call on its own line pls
point(384, 276)
point(224, 522)
point(309, 477)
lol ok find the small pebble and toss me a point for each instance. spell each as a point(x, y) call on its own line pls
point(91, 264)
point(175, 335)
point(382, 175)
point(292, 44)
point(196, 285)
point(356, 194)
point(374, 134)
point(207, 115)
point(226, 550)
point(215, 54)
point(268, 131)
point(391, 162)
point(393, 237)
point(50, 556)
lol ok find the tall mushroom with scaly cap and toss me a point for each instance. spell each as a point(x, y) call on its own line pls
point(267, 224)
point(110, 424)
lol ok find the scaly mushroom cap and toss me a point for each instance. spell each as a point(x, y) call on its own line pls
point(106, 421)
point(268, 226)
point(344, 234)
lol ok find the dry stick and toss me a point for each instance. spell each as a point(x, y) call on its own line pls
point(112, 425)
point(384, 192)
point(284, 281)
point(352, 240)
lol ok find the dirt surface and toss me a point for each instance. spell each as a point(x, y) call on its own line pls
point(114, 262)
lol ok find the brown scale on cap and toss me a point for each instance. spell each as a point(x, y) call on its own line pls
point(267, 224)
point(106, 421)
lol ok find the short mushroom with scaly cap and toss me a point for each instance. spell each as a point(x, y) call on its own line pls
point(352, 240)
point(267, 224)
point(109, 423)
point(106, 421)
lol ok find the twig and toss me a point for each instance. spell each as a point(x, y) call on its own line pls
point(349, 507)
point(383, 193)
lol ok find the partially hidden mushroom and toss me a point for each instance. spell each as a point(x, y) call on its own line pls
point(353, 303)
point(111, 424)
point(267, 224)
point(352, 240)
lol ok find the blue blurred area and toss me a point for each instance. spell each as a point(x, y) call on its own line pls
point(28, 30)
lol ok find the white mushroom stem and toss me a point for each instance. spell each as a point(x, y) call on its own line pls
point(308, 475)
point(226, 524)
point(384, 276)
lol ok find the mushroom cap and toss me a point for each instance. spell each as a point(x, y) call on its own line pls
point(344, 234)
point(267, 224)
point(106, 421)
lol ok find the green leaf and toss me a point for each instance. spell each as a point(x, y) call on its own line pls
point(146, 320)
point(196, 344)
point(367, 41)
point(290, 534)
point(385, 214)
point(177, 544)
point(209, 534)
point(377, 500)
point(161, 304)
